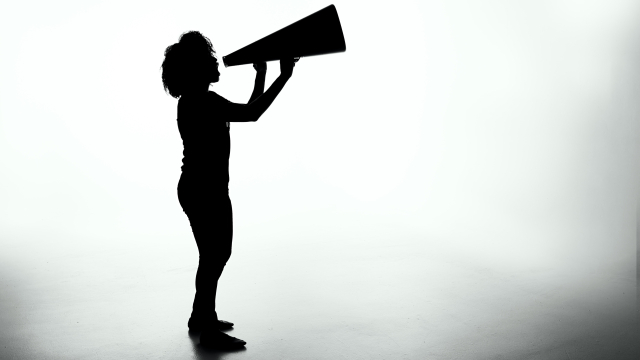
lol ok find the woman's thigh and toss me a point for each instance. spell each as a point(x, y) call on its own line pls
point(211, 218)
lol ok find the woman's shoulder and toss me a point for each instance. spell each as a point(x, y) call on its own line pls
point(213, 96)
point(190, 105)
point(208, 97)
point(188, 100)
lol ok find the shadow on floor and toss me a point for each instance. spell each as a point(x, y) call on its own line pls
point(203, 353)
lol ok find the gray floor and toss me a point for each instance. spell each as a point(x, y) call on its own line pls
point(415, 297)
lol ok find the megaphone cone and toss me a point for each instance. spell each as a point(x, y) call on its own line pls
point(317, 34)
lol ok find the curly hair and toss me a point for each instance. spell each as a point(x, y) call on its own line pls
point(184, 62)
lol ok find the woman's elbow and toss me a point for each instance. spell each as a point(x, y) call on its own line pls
point(248, 118)
point(251, 116)
point(241, 114)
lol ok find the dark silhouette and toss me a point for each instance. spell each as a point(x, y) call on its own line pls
point(189, 67)
point(317, 34)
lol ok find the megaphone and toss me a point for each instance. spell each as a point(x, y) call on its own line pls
point(317, 34)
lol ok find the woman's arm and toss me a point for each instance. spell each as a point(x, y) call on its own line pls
point(255, 109)
point(258, 87)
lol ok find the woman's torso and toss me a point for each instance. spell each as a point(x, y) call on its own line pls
point(203, 126)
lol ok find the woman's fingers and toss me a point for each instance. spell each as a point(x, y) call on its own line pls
point(286, 66)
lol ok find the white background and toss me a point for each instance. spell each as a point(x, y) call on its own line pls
point(506, 130)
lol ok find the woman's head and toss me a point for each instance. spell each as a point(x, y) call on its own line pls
point(189, 64)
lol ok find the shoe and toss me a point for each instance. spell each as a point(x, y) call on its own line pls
point(218, 340)
point(220, 325)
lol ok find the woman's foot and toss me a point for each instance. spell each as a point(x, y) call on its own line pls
point(195, 325)
point(218, 340)
point(224, 325)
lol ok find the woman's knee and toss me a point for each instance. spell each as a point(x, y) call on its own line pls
point(216, 257)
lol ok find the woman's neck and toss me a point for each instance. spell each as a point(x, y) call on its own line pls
point(199, 89)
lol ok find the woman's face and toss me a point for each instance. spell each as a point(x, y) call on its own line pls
point(212, 70)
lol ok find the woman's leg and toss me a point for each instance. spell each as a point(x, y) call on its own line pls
point(213, 230)
point(211, 219)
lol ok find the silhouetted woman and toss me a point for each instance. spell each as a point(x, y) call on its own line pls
point(189, 67)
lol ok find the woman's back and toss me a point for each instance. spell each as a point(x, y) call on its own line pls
point(203, 125)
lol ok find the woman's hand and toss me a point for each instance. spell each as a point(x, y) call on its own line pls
point(286, 66)
point(258, 105)
point(260, 66)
